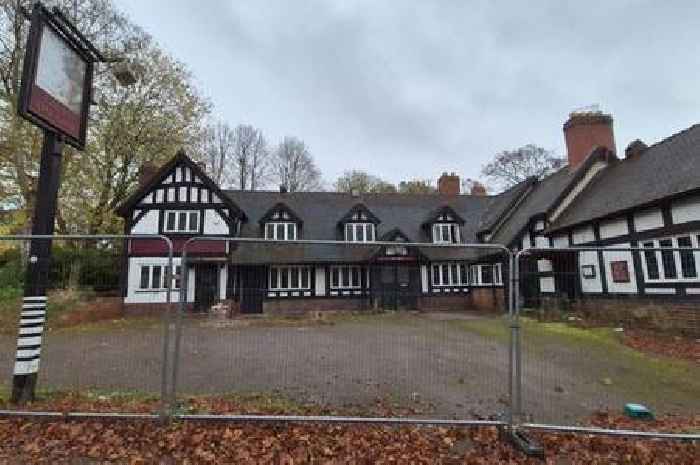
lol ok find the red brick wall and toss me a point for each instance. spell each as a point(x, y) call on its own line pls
point(314, 305)
point(449, 303)
point(640, 313)
point(584, 132)
point(448, 184)
point(488, 299)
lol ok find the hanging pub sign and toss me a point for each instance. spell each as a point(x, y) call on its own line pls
point(56, 79)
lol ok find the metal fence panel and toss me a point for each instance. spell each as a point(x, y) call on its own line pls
point(377, 329)
point(91, 341)
point(608, 326)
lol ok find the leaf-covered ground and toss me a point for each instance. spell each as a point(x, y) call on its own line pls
point(679, 347)
point(142, 442)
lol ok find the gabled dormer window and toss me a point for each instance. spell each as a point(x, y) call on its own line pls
point(444, 226)
point(446, 233)
point(359, 225)
point(281, 224)
point(359, 232)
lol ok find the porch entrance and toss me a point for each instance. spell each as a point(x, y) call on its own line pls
point(253, 281)
point(206, 286)
point(398, 286)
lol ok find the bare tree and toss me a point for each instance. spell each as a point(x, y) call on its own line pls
point(294, 167)
point(417, 186)
point(513, 166)
point(218, 152)
point(250, 156)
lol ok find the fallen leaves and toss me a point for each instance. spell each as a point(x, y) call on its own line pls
point(679, 347)
point(145, 442)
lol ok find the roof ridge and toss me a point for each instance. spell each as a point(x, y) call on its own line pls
point(674, 135)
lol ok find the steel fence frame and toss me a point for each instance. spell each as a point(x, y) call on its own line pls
point(517, 409)
point(509, 258)
point(164, 412)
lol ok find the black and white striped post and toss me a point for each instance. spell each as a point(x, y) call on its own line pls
point(33, 315)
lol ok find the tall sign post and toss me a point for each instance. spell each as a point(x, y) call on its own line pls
point(55, 95)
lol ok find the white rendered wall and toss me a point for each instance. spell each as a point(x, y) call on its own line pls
point(214, 223)
point(686, 210)
point(584, 234)
point(613, 228)
point(320, 281)
point(590, 285)
point(648, 219)
point(613, 256)
point(560, 241)
point(148, 224)
point(424, 278)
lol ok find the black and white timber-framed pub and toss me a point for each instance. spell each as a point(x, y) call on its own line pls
point(648, 197)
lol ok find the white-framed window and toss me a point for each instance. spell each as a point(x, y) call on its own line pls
point(446, 233)
point(346, 277)
point(359, 232)
point(288, 278)
point(672, 265)
point(450, 274)
point(152, 278)
point(281, 231)
point(486, 275)
point(181, 221)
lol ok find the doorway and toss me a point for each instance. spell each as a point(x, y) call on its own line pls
point(253, 281)
point(206, 286)
point(399, 286)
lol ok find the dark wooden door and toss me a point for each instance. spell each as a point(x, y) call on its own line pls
point(206, 286)
point(398, 286)
point(253, 281)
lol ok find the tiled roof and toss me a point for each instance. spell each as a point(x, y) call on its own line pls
point(667, 168)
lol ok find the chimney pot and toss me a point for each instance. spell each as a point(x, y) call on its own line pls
point(584, 131)
point(635, 148)
point(478, 189)
point(448, 184)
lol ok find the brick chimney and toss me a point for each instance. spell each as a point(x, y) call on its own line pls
point(478, 189)
point(586, 130)
point(635, 149)
point(448, 184)
point(146, 172)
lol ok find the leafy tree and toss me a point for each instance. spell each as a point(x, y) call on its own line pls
point(362, 182)
point(148, 121)
point(294, 168)
point(417, 186)
point(513, 166)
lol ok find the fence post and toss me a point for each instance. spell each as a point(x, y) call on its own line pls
point(165, 407)
point(184, 281)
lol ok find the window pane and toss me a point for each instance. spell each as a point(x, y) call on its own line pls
point(355, 277)
point(171, 222)
point(454, 276)
point(274, 284)
point(144, 277)
point(178, 277)
point(182, 221)
point(305, 278)
point(285, 278)
point(453, 233)
point(651, 262)
point(464, 275)
point(194, 221)
point(156, 277)
point(348, 232)
point(668, 260)
point(436, 274)
point(445, 232)
point(280, 232)
point(445, 274)
point(486, 274)
point(291, 231)
point(687, 258)
point(345, 272)
point(294, 282)
point(360, 230)
point(370, 232)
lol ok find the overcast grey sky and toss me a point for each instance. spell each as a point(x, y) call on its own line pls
point(408, 89)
